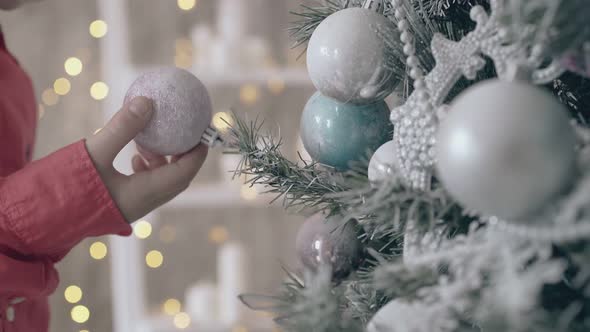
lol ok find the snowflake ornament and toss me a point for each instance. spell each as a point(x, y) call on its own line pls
point(418, 119)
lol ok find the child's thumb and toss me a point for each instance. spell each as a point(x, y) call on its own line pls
point(124, 126)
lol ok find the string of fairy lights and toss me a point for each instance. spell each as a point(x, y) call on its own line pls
point(73, 67)
point(249, 94)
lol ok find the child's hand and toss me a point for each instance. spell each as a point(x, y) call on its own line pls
point(156, 181)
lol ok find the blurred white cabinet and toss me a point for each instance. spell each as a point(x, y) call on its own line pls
point(127, 271)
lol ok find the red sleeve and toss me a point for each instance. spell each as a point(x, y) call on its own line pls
point(53, 203)
point(28, 279)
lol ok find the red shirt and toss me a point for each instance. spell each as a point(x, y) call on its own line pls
point(46, 207)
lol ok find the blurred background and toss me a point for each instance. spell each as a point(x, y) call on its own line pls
point(186, 263)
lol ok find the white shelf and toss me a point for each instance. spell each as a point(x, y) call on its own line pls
point(165, 324)
point(289, 76)
point(220, 196)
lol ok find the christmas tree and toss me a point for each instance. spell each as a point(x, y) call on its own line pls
point(463, 208)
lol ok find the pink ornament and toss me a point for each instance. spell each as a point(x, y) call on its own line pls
point(182, 110)
point(578, 61)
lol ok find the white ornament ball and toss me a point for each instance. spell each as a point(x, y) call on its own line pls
point(383, 163)
point(182, 110)
point(347, 54)
point(399, 316)
point(506, 149)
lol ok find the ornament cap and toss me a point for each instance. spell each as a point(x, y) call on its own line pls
point(212, 138)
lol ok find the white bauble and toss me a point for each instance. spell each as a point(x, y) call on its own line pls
point(383, 163)
point(182, 110)
point(506, 149)
point(347, 54)
point(399, 316)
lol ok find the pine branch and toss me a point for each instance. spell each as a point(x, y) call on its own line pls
point(363, 301)
point(306, 186)
point(446, 8)
point(306, 304)
point(384, 209)
point(574, 92)
point(310, 16)
point(398, 280)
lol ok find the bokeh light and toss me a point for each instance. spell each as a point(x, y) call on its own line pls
point(183, 46)
point(248, 193)
point(98, 250)
point(142, 229)
point(218, 234)
point(80, 314)
point(99, 90)
point(276, 85)
point(84, 331)
point(73, 294)
point(222, 121)
point(249, 94)
point(73, 66)
point(186, 4)
point(171, 307)
point(182, 320)
point(184, 61)
point(62, 86)
point(49, 97)
point(239, 328)
point(154, 259)
point(98, 28)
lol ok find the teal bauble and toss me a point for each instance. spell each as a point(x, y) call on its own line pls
point(334, 133)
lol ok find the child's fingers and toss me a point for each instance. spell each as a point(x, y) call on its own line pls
point(171, 179)
point(138, 164)
point(145, 191)
point(176, 158)
point(123, 127)
point(154, 160)
point(175, 177)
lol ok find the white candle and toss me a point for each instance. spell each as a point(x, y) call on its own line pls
point(232, 276)
point(202, 38)
point(201, 303)
point(232, 19)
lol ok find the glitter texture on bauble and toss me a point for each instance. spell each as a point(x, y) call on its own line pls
point(182, 110)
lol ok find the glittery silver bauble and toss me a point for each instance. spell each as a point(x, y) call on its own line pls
point(347, 53)
point(383, 163)
point(182, 110)
point(506, 149)
point(329, 241)
point(336, 133)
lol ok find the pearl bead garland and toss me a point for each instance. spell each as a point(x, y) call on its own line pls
point(414, 117)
